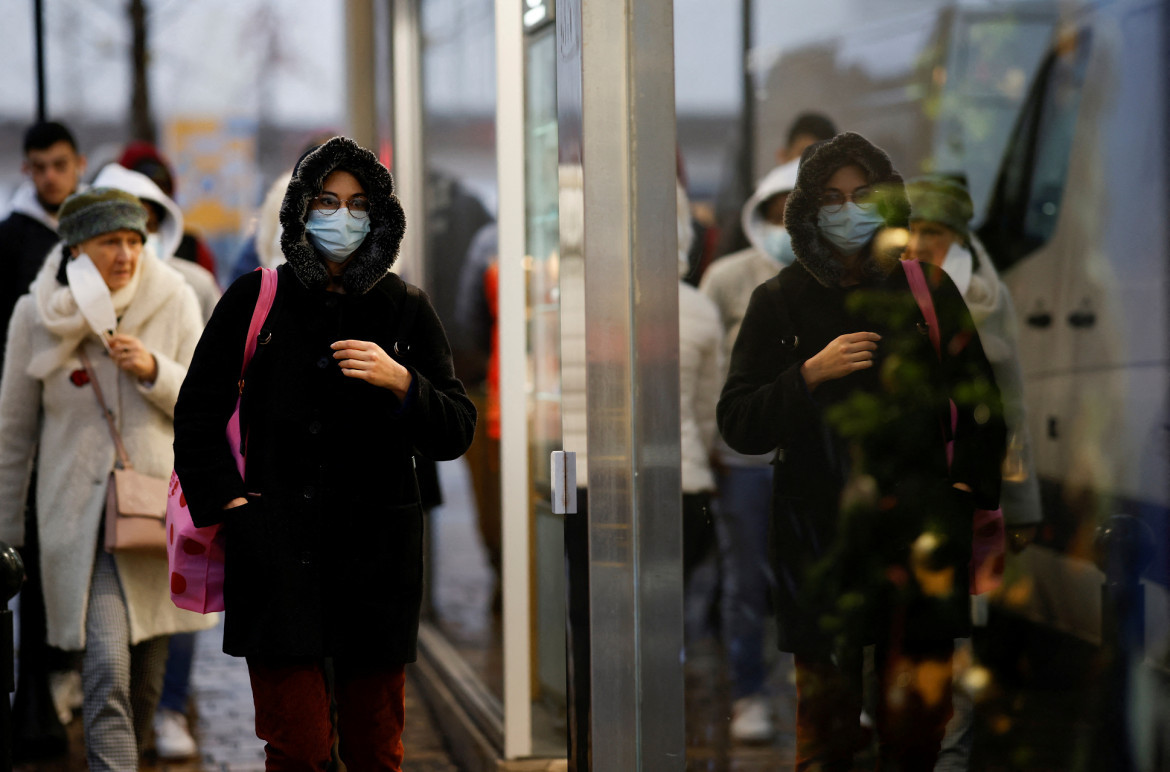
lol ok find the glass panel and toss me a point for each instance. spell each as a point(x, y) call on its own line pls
point(1033, 106)
point(459, 152)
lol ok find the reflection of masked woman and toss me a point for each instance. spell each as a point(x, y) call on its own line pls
point(324, 532)
point(871, 532)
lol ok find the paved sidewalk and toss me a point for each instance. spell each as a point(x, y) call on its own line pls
point(224, 724)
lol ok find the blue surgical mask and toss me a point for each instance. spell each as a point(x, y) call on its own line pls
point(777, 242)
point(851, 227)
point(336, 235)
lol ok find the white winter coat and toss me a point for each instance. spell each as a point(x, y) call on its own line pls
point(60, 423)
point(730, 281)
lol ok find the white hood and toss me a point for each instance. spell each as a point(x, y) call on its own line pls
point(686, 230)
point(782, 179)
point(24, 200)
point(170, 231)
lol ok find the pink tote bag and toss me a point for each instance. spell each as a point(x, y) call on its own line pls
point(196, 555)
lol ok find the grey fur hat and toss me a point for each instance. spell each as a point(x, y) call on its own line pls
point(372, 260)
point(818, 163)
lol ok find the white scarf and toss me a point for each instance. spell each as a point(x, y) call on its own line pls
point(60, 314)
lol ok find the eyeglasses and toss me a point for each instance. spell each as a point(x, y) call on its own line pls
point(358, 206)
point(833, 200)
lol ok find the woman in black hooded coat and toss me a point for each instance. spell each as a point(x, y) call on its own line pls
point(324, 533)
point(870, 532)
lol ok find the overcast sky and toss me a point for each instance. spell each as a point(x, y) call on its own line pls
point(210, 57)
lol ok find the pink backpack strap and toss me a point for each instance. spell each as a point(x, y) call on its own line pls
point(268, 281)
point(917, 280)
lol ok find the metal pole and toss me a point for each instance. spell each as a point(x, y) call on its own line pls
point(616, 131)
point(39, 35)
point(747, 133)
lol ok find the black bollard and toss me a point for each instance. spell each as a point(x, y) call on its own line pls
point(1124, 547)
point(11, 577)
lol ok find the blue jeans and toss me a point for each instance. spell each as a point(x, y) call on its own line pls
point(741, 527)
point(177, 681)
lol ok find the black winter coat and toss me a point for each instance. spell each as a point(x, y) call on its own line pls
point(326, 557)
point(24, 245)
point(873, 438)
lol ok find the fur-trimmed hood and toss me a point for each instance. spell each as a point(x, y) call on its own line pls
point(817, 165)
point(372, 260)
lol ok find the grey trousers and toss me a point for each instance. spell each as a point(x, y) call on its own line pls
point(122, 683)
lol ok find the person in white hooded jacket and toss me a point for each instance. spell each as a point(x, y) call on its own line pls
point(701, 370)
point(103, 294)
point(165, 226)
point(745, 481)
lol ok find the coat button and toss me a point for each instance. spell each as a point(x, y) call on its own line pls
point(331, 302)
point(310, 491)
point(314, 427)
point(306, 558)
point(324, 361)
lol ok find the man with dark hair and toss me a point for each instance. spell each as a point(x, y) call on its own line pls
point(807, 129)
point(54, 168)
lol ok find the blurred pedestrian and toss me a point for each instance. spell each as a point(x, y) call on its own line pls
point(164, 226)
point(476, 329)
point(324, 533)
point(145, 158)
point(745, 481)
point(116, 606)
point(48, 686)
point(871, 528)
point(940, 213)
point(808, 128)
point(700, 362)
point(261, 245)
point(54, 167)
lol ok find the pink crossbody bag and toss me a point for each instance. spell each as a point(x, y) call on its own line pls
point(196, 555)
point(988, 544)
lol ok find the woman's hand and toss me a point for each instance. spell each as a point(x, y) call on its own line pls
point(368, 362)
point(129, 354)
point(236, 502)
point(844, 355)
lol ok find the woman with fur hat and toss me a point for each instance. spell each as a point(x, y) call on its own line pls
point(105, 299)
point(324, 530)
point(871, 528)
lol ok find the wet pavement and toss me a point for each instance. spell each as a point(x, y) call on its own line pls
point(223, 724)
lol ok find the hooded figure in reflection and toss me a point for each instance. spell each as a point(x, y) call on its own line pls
point(870, 534)
point(324, 533)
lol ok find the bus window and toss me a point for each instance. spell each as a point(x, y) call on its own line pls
point(1026, 202)
point(1054, 138)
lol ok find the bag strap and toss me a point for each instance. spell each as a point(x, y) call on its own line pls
point(268, 283)
point(406, 323)
point(123, 456)
point(917, 280)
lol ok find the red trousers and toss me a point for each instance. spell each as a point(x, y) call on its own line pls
point(292, 713)
point(913, 707)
